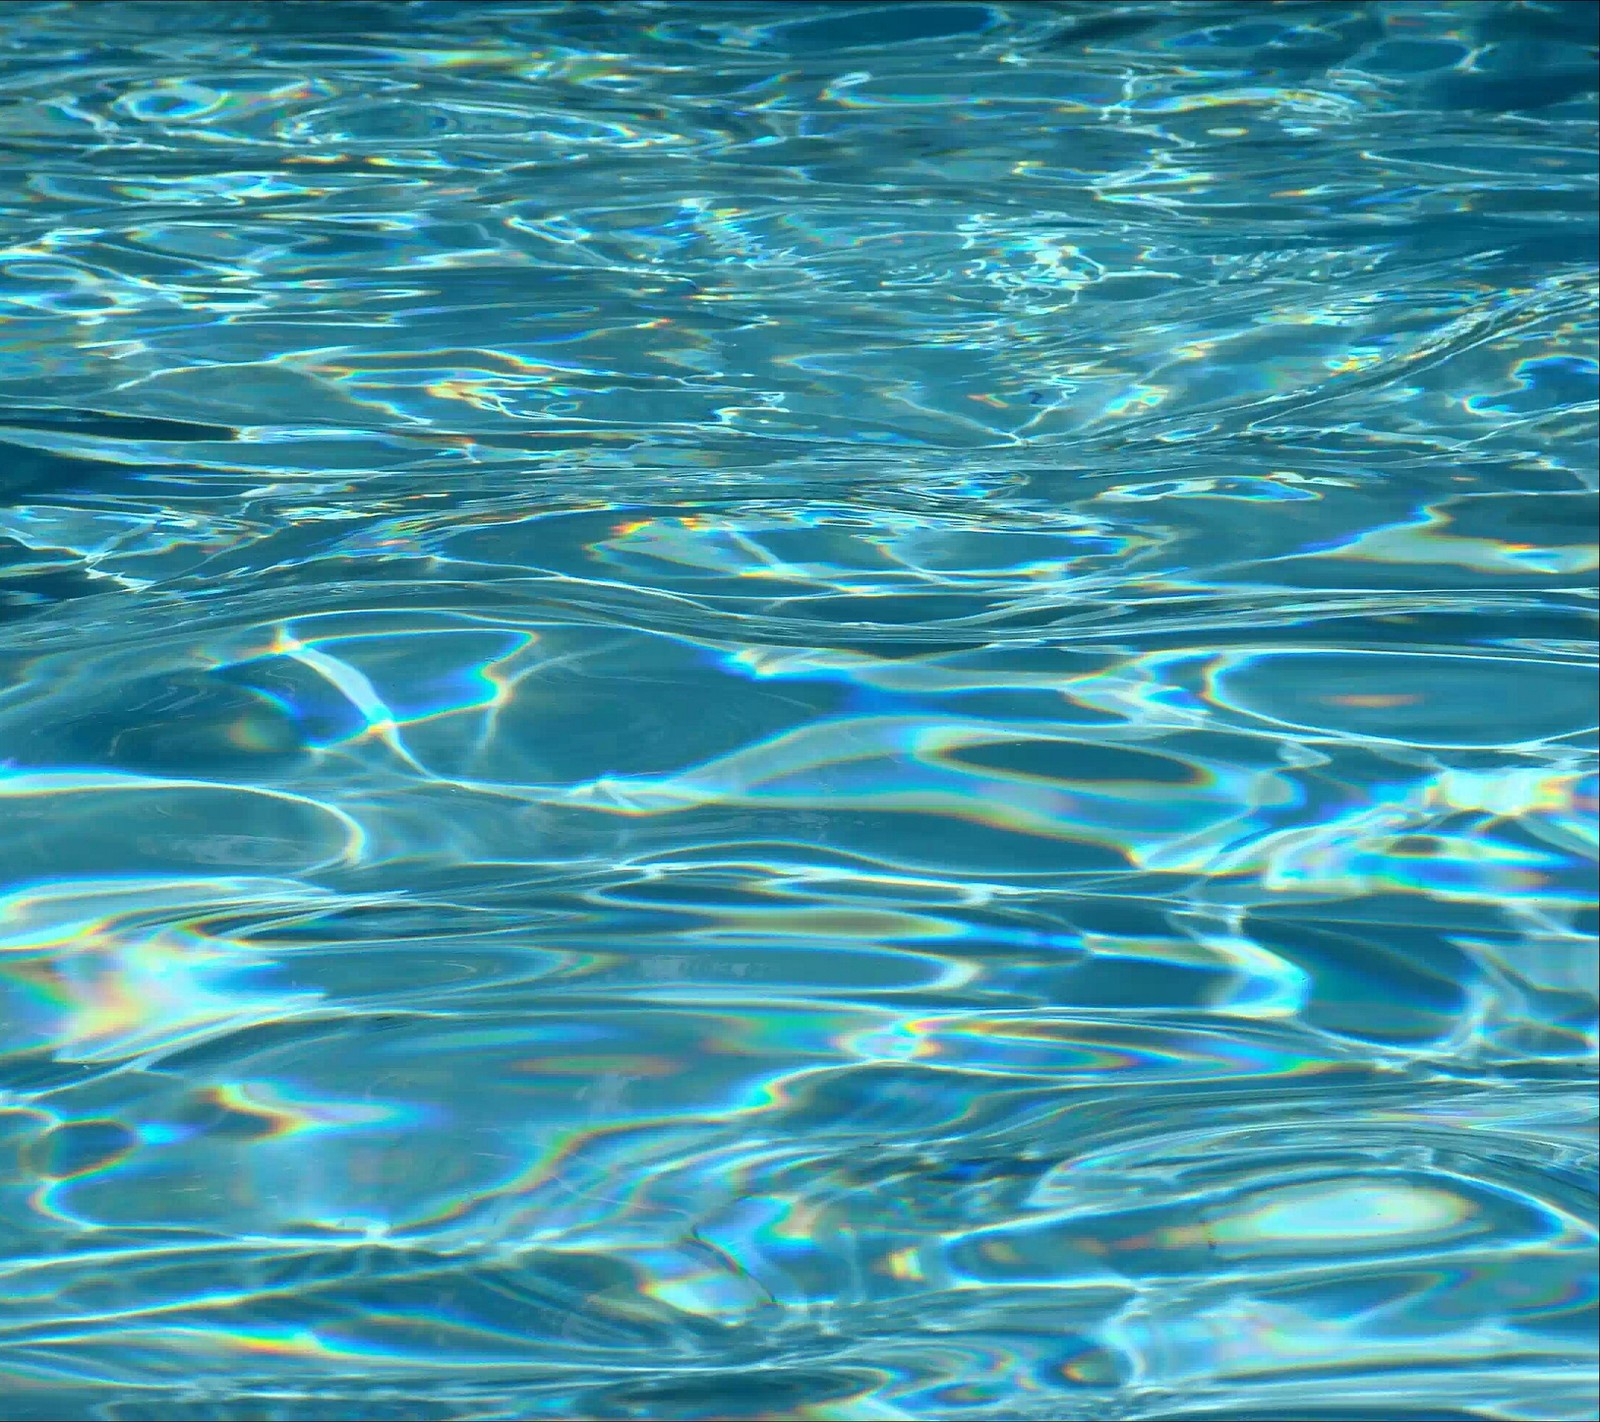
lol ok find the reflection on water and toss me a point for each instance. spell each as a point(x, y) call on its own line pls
point(778, 710)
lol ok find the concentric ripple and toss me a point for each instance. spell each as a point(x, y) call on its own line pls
point(798, 711)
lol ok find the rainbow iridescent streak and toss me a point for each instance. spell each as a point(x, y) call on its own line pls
point(773, 710)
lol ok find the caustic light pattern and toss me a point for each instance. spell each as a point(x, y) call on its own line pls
point(797, 711)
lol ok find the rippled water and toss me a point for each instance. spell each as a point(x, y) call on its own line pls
point(772, 710)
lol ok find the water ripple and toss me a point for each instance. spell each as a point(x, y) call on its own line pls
point(797, 710)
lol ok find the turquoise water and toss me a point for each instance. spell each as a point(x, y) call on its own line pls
point(797, 711)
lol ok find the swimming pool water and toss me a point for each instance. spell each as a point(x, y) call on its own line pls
point(796, 711)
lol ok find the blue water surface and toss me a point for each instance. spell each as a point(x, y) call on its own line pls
point(797, 711)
